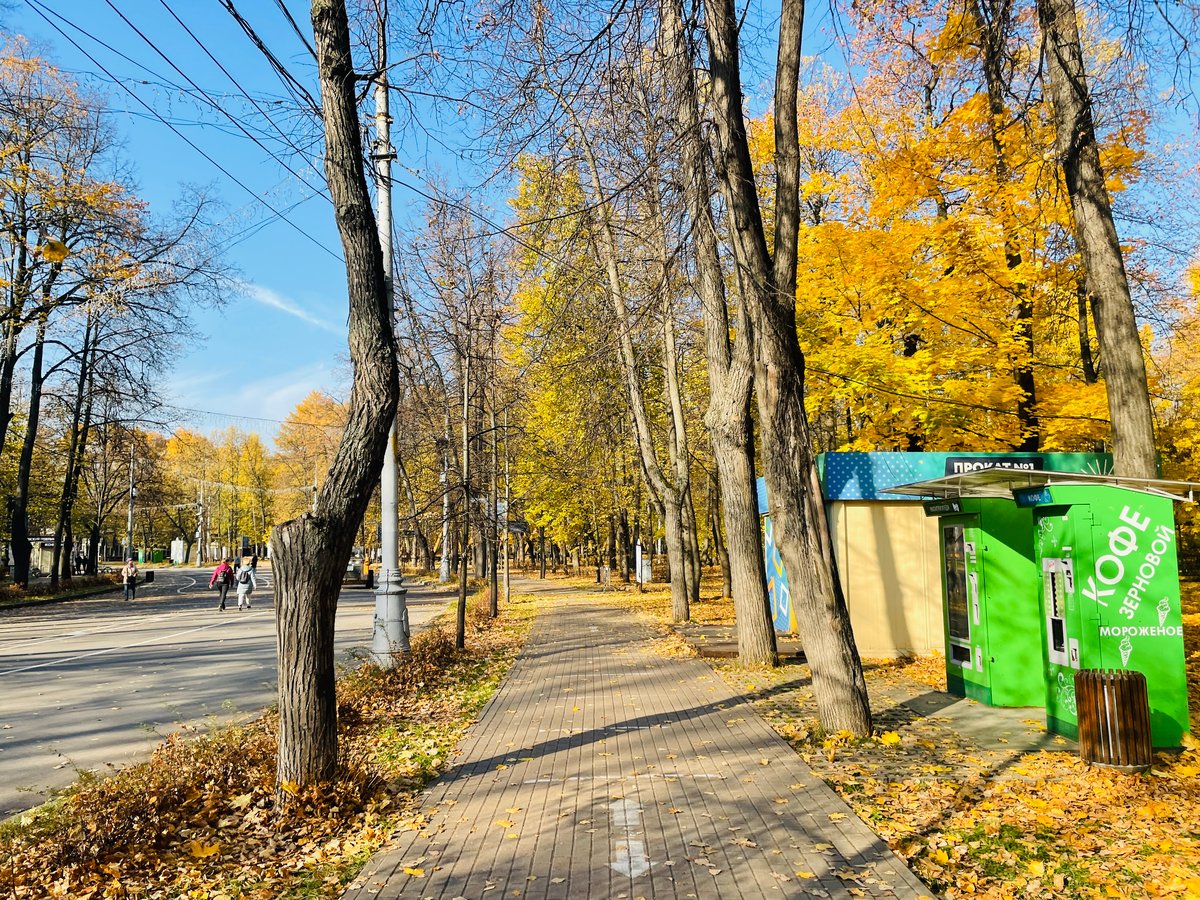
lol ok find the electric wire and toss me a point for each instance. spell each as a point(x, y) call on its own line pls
point(286, 137)
point(294, 85)
point(41, 10)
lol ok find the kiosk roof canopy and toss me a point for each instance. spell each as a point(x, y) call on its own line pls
point(999, 482)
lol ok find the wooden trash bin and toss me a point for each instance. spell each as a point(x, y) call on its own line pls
point(1114, 719)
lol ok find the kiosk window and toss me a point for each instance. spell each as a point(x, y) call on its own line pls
point(957, 599)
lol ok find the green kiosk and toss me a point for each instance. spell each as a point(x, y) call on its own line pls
point(1048, 573)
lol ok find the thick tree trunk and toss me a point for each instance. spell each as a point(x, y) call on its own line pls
point(311, 552)
point(1099, 247)
point(541, 551)
point(730, 372)
point(769, 291)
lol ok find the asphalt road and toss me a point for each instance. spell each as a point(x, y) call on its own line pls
point(97, 683)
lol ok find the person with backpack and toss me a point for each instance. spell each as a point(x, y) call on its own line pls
point(222, 579)
point(245, 584)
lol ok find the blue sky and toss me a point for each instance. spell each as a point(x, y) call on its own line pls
point(283, 335)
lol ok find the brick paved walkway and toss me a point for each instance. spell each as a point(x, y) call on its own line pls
point(601, 770)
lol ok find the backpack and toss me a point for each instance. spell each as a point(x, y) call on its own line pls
point(244, 576)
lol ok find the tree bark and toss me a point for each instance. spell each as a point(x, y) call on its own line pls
point(21, 546)
point(719, 546)
point(80, 425)
point(311, 552)
point(769, 291)
point(730, 371)
point(1099, 247)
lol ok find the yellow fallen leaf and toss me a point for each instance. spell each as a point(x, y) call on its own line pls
point(889, 737)
point(836, 817)
point(200, 850)
point(941, 857)
point(505, 823)
point(290, 787)
point(241, 801)
point(806, 874)
point(415, 873)
point(1037, 868)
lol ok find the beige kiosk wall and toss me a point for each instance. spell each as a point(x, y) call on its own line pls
point(888, 559)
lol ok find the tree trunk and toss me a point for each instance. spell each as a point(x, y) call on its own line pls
point(719, 545)
point(730, 371)
point(769, 292)
point(625, 559)
point(994, 18)
point(541, 552)
point(80, 425)
point(1100, 250)
point(691, 531)
point(1090, 375)
point(21, 546)
point(460, 618)
point(311, 552)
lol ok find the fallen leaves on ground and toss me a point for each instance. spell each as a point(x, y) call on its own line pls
point(200, 818)
point(990, 820)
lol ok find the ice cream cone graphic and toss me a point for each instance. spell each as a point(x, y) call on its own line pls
point(1164, 610)
point(1126, 650)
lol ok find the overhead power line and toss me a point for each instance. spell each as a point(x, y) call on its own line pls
point(45, 12)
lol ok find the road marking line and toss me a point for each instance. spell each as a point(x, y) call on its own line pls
point(629, 855)
point(121, 625)
point(67, 659)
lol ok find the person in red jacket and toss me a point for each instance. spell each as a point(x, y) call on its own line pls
point(222, 579)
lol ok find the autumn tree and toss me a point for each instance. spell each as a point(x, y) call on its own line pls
point(1099, 247)
point(768, 276)
point(311, 551)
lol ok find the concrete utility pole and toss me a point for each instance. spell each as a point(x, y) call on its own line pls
point(390, 638)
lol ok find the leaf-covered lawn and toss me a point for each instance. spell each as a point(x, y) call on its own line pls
point(988, 821)
point(199, 819)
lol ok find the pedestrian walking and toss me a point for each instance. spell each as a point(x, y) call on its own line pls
point(129, 576)
point(254, 563)
point(246, 584)
point(222, 579)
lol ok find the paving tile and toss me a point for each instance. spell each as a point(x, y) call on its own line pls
point(600, 770)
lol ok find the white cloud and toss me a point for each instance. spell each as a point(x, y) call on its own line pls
point(268, 297)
